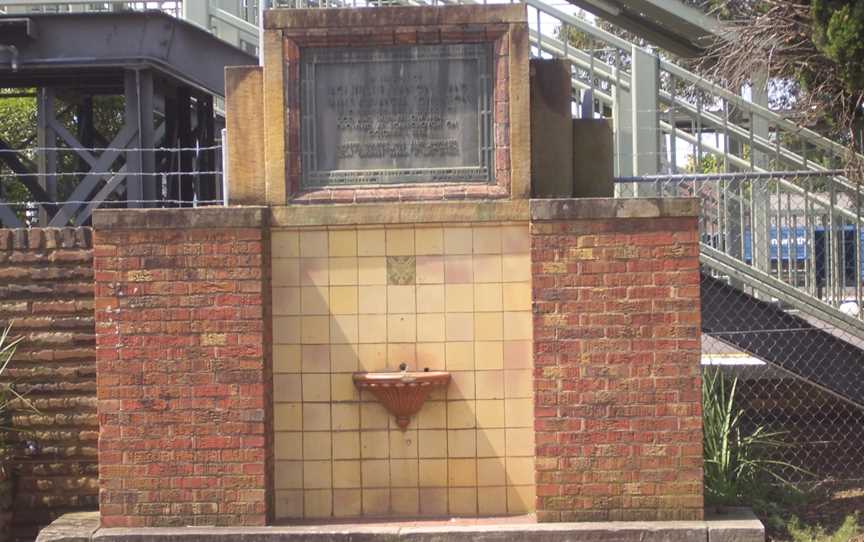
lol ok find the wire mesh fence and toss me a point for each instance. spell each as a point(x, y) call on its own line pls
point(781, 282)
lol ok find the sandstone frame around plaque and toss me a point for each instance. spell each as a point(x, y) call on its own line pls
point(502, 29)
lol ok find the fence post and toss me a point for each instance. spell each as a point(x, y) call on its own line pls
point(225, 179)
point(644, 89)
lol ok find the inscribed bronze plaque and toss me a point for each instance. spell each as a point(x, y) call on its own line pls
point(386, 115)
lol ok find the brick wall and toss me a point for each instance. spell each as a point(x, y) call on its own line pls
point(46, 290)
point(184, 375)
point(616, 356)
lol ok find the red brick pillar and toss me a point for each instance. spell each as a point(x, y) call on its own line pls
point(616, 355)
point(183, 338)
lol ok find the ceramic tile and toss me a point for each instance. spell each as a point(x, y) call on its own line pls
point(459, 356)
point(433, 502)
point(317, 445)
point(401, 299)
point(316, 416)
point(489, 384)
point(518, 326)
point(314, 300)
point(430, 356)
point(515, 239)
point(373, 357)
point(428, 241)
point(373, 299)
point(371, 242)
point(430, 327)
point(487, 298)
point(313, 244)
point(374, 445)
point(344, 329)
point(403, 472)
point(432, 443)
point(342, 387)
point(490, 413)
point(401, 270)
point(287, 417)
point(286, 301)
point(461, 443)
point(372, 271)
point(346, 445)
point(342, 243)
point(462, 472)
point(489, 501)
point(285, 244)
point(286, 388)
point(520, 441)
point(316, 387)
point(487, 268)
point(400, 241)
point(487, 240)
point(285, 271)
point(372, 328)
point(314, 272)
point(459, 297)
point(403, 444)
point(458, 269)
point(400, 353)
point(347, 502)
point(345, 416)
point(518, 355)
point(517, 296)
point(343, 300)
point(489, 355)
point(315, 358)
point(374, 416)
point(490, 443)
point(317, 503)
point(401, 328)
point(346, 474)
point(432, 472)
point(520, 471)
point(375, 473)
point(314, 329)
point(516, 268)
point(405, 501)
point(488, 326)
point(430, 269)
point(430, 298)
point(433, 415)
point(317, 475)
point(286, 358)
point(286, 329)
point(343, 271)
point(461, 385)
point(289, 504)
point(376, 502)
point(490, 472)
point(288, 445)
point(461, 414)
point(519, 412)
point(520, 499)
point(344, 358)
point(457, 240)
point(518, 384)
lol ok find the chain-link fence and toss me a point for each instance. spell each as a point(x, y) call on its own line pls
point(781, 296)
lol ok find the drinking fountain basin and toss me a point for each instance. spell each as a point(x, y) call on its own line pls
point(402, 393)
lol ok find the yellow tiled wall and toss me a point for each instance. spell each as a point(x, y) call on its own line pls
point(455, 298)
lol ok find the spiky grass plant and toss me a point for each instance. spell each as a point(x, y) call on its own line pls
point(739, 467)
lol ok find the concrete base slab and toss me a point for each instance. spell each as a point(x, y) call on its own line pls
point(738, 525)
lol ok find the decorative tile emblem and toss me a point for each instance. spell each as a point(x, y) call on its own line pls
point(401, 270)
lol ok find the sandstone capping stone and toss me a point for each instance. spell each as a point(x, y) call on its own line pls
point(394, 16)
point(201, 218)
point(611, 208)
point(244, 109)
point(399, 213)
point(74, 527)
point(734, 525)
